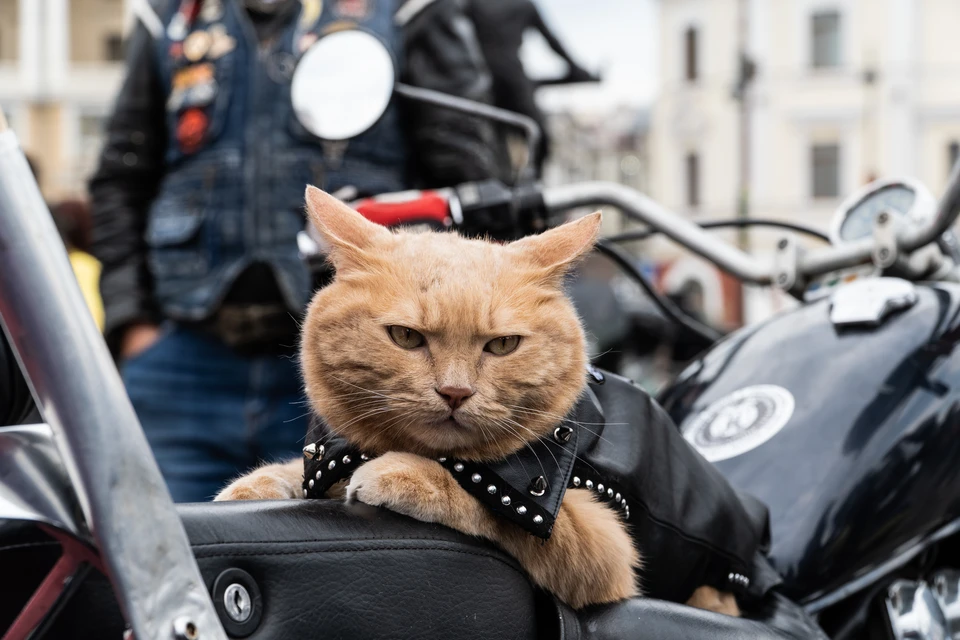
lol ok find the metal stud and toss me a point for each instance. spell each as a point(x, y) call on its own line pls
point(563, 433)
point(305, 492)
point(609, 493)
point(476, 477)
point(347, 459)
point(505, 500)
point(458, 467)
point(310, 451)
point(617, 497)
point(589, 484)
point(491, 489)
point(364, 457)
point(627, 512)
point(576, 481)
point(623, 502)
point(538, 486)
point(599, 488)
point(521, 509)
point(441, 459)
point(537, 519)
point(332, 464)
point(319, 474)
point(310, 484)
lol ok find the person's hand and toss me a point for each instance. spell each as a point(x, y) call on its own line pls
point(137, 339)
point(579, 74)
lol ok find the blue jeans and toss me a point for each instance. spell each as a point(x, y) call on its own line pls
point(211, 414)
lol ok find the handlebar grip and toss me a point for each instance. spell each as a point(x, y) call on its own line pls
point(429, 206)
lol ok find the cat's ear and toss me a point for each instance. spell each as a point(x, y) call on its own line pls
point(351, 237)
point(557, 250)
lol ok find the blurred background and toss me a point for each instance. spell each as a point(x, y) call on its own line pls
point(714, 108)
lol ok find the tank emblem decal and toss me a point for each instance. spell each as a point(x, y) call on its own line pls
point(739, 422)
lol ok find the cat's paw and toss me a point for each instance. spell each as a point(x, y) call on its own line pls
point(411, 485)
point(258, 486)
point(712, 600)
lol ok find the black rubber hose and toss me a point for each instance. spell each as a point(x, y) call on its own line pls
point(623, 260)
point(643, 234)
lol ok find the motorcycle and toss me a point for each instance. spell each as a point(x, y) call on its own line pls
point(89, 534)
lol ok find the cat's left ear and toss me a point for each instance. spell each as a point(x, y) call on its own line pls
point(557, 250)
point(352, 237)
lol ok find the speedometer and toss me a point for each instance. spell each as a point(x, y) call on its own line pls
point(907, 200)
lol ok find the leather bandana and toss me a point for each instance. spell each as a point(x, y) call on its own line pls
point(525, 488)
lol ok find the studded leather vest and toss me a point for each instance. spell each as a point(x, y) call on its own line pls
point(238, 160)
point(690, 525)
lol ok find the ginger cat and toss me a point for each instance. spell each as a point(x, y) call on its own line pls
point(430, 344)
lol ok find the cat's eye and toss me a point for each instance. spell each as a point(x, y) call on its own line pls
point(503, 346)
point(405, 337)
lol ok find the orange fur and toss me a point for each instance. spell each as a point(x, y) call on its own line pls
point(459, 294)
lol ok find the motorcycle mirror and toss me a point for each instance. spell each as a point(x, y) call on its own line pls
point(342, 85)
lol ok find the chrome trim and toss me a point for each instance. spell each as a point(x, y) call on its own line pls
point(914, 613)
point(821, 602)
point(79, 393)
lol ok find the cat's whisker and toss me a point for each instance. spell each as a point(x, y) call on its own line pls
point(507, 427)
point(303, 415)
point(371, 391)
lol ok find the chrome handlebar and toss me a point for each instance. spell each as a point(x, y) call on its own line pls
point(728, 257)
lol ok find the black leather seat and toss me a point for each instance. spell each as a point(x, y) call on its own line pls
point(329, 570)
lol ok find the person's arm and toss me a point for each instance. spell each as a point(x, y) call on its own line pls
point(537, 22)
point(126, 181)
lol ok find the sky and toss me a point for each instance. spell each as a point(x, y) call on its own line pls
point(616, 37)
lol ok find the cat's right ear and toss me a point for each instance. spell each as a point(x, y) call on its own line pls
point(352, 237)
point(557, 250)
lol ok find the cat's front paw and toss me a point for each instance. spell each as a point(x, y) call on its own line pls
point(411, 485)
point(258, 486)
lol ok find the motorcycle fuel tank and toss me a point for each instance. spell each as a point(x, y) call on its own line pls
point(850, 435)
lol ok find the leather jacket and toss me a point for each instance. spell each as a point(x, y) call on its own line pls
point(689, 524)
point(440, 52)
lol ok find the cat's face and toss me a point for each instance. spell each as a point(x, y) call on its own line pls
point(439, 345)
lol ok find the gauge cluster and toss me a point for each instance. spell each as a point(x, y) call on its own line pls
point(907, 200)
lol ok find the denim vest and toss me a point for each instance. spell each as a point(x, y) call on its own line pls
point(235, 195)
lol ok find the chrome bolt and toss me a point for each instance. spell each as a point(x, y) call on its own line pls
point(185, 629)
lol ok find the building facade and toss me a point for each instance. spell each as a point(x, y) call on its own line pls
point(61, 64)
point(844, 92)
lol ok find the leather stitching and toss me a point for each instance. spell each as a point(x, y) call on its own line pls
point(385, 548)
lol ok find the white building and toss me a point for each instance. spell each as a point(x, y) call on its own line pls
point(60, 68)
point(845, 91)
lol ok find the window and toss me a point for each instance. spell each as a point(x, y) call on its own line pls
point(825, 169)
point(690, 54)
point(113, 47)
point(953, 154)
point(693, 180)
point(826, 40)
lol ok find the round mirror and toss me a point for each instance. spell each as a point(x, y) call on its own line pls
point(342, 85)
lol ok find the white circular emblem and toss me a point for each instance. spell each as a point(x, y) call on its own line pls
point(739, 422)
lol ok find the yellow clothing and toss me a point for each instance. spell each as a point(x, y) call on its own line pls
point(87, 270)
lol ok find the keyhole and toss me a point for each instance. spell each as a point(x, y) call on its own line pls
point(236, 601)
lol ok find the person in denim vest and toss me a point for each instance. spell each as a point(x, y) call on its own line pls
point(198, 200)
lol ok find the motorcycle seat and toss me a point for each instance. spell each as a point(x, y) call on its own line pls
point(324, 569)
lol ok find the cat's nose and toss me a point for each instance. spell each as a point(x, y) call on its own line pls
point(455, 396)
